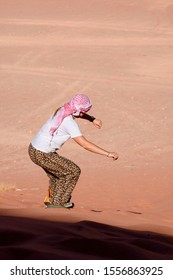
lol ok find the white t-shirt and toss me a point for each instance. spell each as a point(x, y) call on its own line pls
point(47, 143)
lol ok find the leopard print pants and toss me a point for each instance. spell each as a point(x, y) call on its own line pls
point(63, 174)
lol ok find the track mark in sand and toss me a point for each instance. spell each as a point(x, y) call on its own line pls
point(42, 72)
point(85, 24)
point(52, 72)
point(134, 212)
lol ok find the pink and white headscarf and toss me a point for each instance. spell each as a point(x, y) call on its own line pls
point(79, 103)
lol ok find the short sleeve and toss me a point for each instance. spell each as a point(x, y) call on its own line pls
point(72, 128)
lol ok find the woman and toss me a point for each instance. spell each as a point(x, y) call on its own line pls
point(43, 151)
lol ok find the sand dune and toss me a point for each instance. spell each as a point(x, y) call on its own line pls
point(38, 239)
point(120, 54)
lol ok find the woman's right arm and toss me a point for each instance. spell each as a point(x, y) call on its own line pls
point(96, 122)
point(83, 142)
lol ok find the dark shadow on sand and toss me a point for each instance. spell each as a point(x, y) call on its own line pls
point(32, 239)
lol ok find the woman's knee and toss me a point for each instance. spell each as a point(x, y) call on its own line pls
point(78, 170)
point(75, 170)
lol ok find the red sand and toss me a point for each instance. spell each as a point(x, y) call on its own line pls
point(120, 54)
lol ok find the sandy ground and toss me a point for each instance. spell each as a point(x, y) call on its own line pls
point(120, 54)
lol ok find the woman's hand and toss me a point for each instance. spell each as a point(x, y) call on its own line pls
point(114, 156)
point(83, 142)
point(97, 123)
